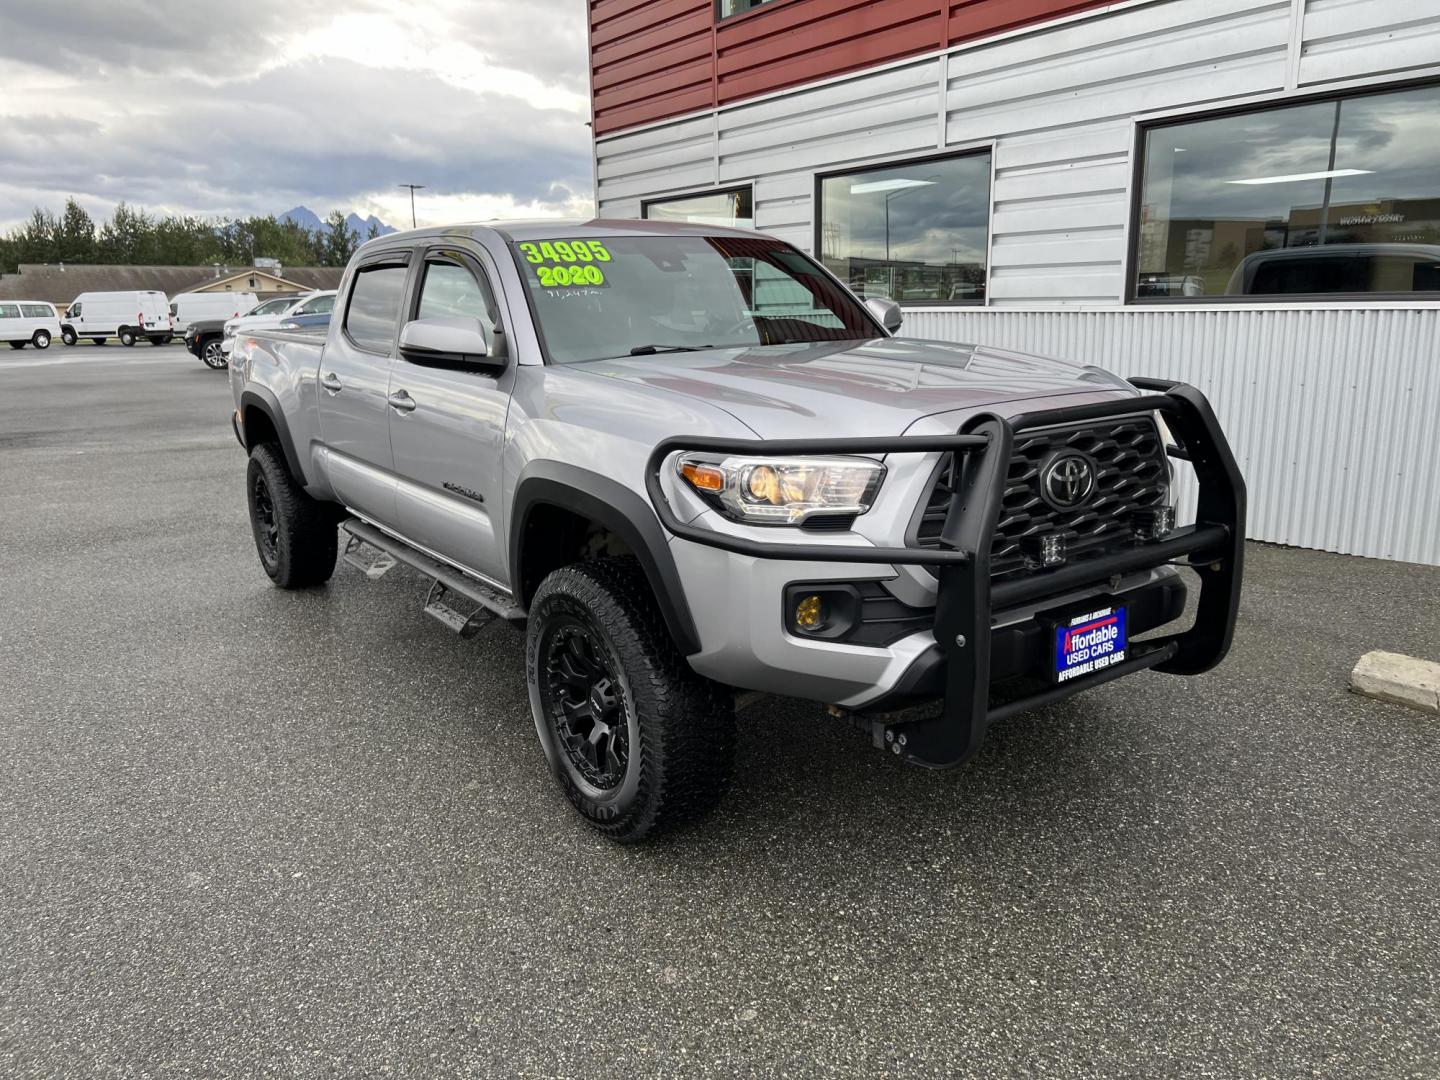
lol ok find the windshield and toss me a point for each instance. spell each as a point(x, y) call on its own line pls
point(638, 295)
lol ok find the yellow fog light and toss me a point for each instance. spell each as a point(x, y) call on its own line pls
point(810, 613)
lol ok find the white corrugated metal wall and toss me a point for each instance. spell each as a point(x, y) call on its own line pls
point(1331, 408)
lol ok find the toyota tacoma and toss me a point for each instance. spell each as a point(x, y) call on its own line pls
point(691, 465)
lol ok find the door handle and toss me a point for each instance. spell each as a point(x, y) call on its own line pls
point(331, 382)
point(400, 401)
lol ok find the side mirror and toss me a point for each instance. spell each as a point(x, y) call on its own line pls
point(454, 341)
point(887, 311)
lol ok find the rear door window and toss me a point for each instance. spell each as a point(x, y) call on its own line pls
point(374, 312)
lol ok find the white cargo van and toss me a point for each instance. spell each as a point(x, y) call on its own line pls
point(189, 307)
point(28, 322)
point(126, 315)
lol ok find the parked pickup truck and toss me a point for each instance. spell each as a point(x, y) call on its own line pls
point(689, 463)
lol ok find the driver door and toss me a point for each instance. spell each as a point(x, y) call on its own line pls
point(449, 439)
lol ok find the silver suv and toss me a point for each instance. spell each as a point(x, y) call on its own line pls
point(690, 463)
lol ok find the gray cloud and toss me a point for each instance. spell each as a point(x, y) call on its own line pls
point(180, 105)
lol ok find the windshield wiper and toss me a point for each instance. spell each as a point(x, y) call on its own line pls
point(651, 350)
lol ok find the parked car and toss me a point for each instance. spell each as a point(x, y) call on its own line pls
point(128, 316)
point(320, 302)
point(189, 307)
point(28, 322)
point(202, 338)
point(313, 323)
point(1152, 284)
point(590, 431)
point(1338, 268)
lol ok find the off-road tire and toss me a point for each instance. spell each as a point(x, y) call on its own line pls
point(295, 536)
point(681, 727)
point(41, 340)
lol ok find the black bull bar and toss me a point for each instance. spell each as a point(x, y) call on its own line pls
point(1213, 547)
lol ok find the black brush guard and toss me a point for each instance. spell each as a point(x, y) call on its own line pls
point(1213, 546)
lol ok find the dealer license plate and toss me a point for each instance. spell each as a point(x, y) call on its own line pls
point(1088, 643)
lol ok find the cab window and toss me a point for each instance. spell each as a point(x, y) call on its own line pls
point(452, 291)
point(374, 310)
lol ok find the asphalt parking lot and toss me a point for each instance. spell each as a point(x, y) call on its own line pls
point(249, 833)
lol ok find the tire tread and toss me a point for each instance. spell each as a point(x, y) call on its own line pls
point(687, 722)
point(309, 540)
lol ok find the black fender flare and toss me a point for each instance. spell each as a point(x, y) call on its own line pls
point(621, 510)
point(264, 400)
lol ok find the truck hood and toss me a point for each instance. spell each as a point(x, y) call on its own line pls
point(842, 389)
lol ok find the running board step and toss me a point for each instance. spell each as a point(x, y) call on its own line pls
point(374, 567)
point(447, 616)
point(447, 580)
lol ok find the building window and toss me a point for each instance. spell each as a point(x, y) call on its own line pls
point(733, 208)
point(1320, 198)
point(725, 8)
point(916, 233)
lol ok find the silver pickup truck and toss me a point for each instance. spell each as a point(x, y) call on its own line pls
point(689, 463)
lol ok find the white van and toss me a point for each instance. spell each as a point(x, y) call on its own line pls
point(190, 307)
point(126, 315)
point(28, 322)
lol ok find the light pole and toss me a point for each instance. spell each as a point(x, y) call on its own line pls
point(413, 188)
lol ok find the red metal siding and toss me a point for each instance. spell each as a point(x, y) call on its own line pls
point(653, 59)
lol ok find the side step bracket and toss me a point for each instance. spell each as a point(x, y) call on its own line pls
point(446, 581)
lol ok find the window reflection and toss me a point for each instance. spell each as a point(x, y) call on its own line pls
point(915, 233)
point(725, 8)
point(734, 209)
point(1327, 197)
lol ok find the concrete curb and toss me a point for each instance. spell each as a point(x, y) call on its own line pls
point(1402, 680)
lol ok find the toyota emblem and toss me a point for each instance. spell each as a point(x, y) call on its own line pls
point(1067, 481)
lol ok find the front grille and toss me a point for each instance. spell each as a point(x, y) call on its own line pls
point(1131, 474)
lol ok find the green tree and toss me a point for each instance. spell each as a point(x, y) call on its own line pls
point(75, 236)
point(127, 238)
point(37, 240)
point(342, 240)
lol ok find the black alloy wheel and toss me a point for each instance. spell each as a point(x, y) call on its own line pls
point(585, 702)
point(267, 524)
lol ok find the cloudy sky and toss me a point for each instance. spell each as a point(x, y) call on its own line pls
point(218, 107)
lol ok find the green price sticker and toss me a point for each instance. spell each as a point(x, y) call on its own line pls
point(559, 276)
point(560, 264)
point(566, 251)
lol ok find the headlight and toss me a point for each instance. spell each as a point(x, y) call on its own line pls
point(782, 491)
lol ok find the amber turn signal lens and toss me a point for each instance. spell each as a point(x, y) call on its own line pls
point(703, 477)
point(810, 613)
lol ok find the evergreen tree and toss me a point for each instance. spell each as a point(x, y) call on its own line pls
point(36, 241)
point(342, 241)
point(133, 237)
point(75, 237)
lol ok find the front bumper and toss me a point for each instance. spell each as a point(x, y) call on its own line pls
point(969, 652)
